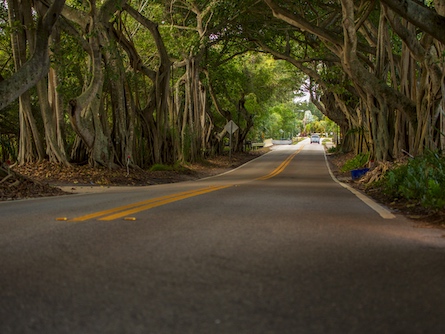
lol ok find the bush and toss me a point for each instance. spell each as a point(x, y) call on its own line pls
point(161, 168)
point(177, 167)
point(359, 161)
point(334, 149)
point(422, 179)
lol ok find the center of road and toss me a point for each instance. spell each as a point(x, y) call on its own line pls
point(125, 210)
point(281, 167)
point(129, 209)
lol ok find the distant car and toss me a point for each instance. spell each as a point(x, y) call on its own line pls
point(315, 139)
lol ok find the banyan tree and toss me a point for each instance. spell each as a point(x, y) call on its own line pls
point(142, 82)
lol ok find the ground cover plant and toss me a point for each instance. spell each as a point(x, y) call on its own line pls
point(421, 180)
point(359, 161)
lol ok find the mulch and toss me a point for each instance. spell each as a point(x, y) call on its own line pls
point(44, 179)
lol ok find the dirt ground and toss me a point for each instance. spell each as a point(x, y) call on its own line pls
point(48, 179)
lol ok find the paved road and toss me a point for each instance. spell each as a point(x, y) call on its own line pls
point(276, 246)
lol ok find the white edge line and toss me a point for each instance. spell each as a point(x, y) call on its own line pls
point(383, 212)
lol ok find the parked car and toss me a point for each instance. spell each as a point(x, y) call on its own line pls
point(315, 139)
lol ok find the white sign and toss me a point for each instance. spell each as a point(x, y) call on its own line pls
point(231, 127)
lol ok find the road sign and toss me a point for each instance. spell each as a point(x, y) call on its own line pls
point(231, 127)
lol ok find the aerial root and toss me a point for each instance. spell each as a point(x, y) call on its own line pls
point(376, 174)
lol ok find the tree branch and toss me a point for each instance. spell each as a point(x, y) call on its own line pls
point(425, 18)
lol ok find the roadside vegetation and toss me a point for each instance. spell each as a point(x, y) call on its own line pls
point(359, 161)
point(412, 185)
point(420, 180)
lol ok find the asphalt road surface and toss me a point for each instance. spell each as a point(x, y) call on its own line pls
point(276, 246)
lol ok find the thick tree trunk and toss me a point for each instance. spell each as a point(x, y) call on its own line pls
point(376, 93)
point(56, 103)
point(425, 87)
point(122, 105)
point(32, 70)
point(85, 111)
point(158, 110)
point(87, 114)
point(30, 143)
point(54, 152)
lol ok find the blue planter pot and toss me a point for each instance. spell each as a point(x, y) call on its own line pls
point(358, 173)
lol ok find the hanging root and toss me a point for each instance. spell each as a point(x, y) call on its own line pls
point(6, 173)
point(15, 184)
point(9, 175)
point(6, 178)
point(377, 174)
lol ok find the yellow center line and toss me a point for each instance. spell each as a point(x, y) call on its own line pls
point(161, 202)
point(281, 167)
point(170, 198)
point(125, 210)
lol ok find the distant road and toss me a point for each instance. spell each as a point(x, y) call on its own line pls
point(276, 246)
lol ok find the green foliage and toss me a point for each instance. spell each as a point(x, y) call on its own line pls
point(333, 149)
point(177, 167)
point(267, 87)
point(422, 179)
point(161, 168)
point(359, 161)
point(283, 117)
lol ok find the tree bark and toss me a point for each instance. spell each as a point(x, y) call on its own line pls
point(84, 111)
point(30, 143)
point(54, 151)
point(37, 66)
point(122, 104)
point(163, 149)
point(88, 118)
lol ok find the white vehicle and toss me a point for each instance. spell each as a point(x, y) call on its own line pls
point(315, 139)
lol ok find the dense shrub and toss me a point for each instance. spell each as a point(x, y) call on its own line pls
point(359, 161)
point(177, 167)
point(422, 179)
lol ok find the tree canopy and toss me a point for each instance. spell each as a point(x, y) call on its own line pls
point(155, 81)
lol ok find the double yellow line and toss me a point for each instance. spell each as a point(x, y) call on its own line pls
point(127, 210)
point(281, 167)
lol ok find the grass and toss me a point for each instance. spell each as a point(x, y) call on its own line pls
point(177, 167)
